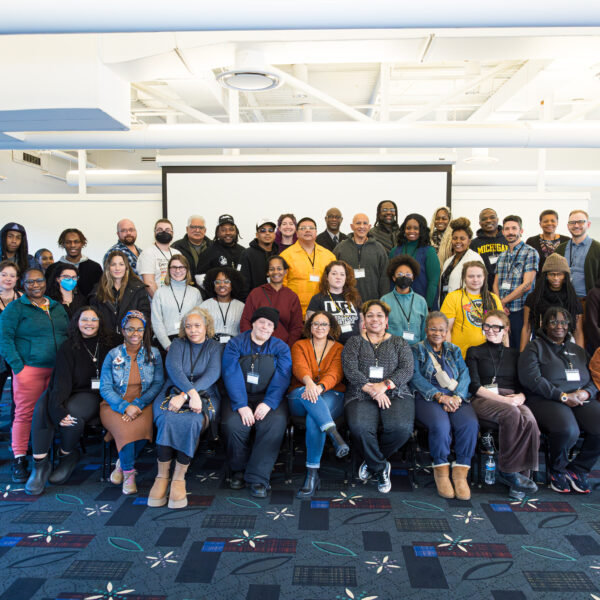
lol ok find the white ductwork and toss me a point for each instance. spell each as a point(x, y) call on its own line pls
point(96, 177)
point(87, 16)
point(326, 135)
point(526, 178)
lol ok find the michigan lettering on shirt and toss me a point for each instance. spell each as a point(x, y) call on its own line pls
point(492, 248)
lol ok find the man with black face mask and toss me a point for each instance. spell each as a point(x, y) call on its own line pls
point(408, 310)
point(153, 261)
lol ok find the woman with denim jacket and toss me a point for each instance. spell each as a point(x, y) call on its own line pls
point(131, 377)
point(441, 385)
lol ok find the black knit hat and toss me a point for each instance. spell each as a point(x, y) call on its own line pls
point(266, 312)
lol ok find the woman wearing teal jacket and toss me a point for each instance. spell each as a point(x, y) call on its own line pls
point(32, 328)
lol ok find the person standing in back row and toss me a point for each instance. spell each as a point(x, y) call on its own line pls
point(194, 244)
point(386, 228)
point(332, 235)
point(153, 262)
point(254, 259)
point(127, 234)
point(489, 242)
point(548, 241)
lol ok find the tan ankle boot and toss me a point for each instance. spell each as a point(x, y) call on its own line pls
point(158, 492)
point(459, 478)
point(178, 493)
point(441, 474)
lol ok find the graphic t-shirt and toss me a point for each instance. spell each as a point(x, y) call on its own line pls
point(154, 261)
point(344, 313)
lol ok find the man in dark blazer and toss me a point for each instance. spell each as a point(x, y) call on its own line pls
point(332, 235)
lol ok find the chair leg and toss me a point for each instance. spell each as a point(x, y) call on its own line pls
point(289, 459)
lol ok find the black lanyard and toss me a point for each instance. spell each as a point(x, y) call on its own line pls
point(359, 249)
point(375, 348)
point(409, 310)
point(226, 312)
point(319, 360)
point(494, 362)
point(179, 307)
point(164, 255)
point(514, 260)
point(256, 350)
point(195, 362)
point(314, 255)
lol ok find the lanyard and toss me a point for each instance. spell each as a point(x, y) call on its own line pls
point(179, 307)
point(164, 255)
point(510, 268)
point(319, 360)
point(256, 350)
point(494, 362)
point(375, 348)
point(339, 308)
point(195, 362)
point(314, 254)
point(359, 249)
point(226, 313)
point(409, 310)
point(267, 296)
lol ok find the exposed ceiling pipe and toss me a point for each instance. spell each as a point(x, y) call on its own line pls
point(87, 16)
point(69, 157)
point(526, 178)
point(519, 134)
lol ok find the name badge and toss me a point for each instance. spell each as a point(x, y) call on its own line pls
point(346, 328)
point(409, 336)
point(572, 374)
point(493, 260)
point(239, 267)
point(376, 372)
point(314, 278)
point(95, 383)
point(224, 338)
point(445, 288)
point(252, 378)
point(505, 285)
point(176, 325)
point(359, 273)
point(492, 387)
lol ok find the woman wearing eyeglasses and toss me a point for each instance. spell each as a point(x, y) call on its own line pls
point(562, 396)
point(32, 328)
point(131, 377)
point(63, 288)
point(317, 392)
point(173, 300)
point(223, 286)
point(497, 397)
point(72, 400)
point(119, 291)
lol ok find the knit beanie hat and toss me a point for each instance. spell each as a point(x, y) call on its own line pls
point(556, 263)
point(266, 312)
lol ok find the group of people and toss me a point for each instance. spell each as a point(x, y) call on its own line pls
point(393, 326)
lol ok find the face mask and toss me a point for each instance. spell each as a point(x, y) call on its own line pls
point(68, 284)
point(404, 282)
point(163, 237)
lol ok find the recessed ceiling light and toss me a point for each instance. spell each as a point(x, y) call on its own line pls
point(244, 80)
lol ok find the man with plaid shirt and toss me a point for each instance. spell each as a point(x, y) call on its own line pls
point(515, 275)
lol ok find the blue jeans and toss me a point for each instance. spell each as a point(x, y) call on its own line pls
point(129, 453)
point(320, 415)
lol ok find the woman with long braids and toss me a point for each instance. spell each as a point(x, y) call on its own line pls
point(414, 240)
point(467, 307)
point(553, 288)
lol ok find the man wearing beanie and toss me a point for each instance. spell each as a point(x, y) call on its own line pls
point(553, 288)
point(256, 369)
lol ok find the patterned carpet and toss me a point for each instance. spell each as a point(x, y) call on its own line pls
point(87, 540)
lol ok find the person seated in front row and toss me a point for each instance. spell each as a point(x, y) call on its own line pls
point(378, 367)
point(256, 370)
point(441, 385)
point(131, 377)
point(317, 391)
point(72, 398)
point(562, 396)
point(496, 397)
point(187, 404)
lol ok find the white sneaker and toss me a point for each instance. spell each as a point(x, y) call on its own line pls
point(129, 486)
point(363, 472)
point(384, 484)
point(116, 476)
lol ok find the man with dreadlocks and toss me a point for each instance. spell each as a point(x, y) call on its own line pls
point(13, 246)
point(553, 288)
point(385, 230)
point(467, 307)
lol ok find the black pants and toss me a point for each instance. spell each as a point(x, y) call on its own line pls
point(563, 426)
point(166, 453)
point(82, 405)
point(364, 418)
point(256, 459)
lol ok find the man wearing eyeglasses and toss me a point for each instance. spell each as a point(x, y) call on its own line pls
point(307, 261)
point(254, 259)
point(332, 235)
point(127, 234)
point(386, 227)
point(582, 253)
point(194, 244)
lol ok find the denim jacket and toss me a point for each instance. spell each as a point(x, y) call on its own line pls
point(115, 376)
point(424, 370)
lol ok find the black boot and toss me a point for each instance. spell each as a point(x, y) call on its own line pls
point(341, 448)
point(20, 473)
point(39, 476)
point(66, 464)
point(311, 484)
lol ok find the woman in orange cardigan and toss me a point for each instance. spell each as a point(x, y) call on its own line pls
point(317, 391)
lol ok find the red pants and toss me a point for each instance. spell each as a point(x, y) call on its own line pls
point(28, 386)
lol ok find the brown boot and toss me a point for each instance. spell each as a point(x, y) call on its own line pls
point(459, 478)
point(178, 493)
point(441, 474)
point(158, 492)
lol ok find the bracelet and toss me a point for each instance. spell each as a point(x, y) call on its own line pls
point(388, 384)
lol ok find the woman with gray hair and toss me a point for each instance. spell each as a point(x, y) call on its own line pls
point(187, 405)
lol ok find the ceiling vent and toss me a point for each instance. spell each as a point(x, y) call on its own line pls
point(251, 73)
point(148, 158)
point(30, 158)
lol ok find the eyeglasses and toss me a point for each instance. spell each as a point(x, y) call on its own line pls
point(222, 281)
point(407, 275)
point(490, 327)
point(303, 228)
point(89, 320)
point(324, 325)
point(200, 227)
point(266, 230)
point(178, 268)
point(555, 323)
point(39, 281)
point(388, 210)
point(163, 231)
point(582, 222)
point(63, 277)
point(132, 330)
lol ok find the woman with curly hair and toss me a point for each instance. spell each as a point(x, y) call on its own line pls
point(413, 239)
point(462, 234)
point(338, 295)
point(224, 287)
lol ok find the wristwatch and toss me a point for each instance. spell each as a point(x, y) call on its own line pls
point(185, 396)
point(563, 397)
point(388, 384)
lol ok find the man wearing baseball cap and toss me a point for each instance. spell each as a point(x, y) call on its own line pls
point(225, 250)
point(254, 259)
